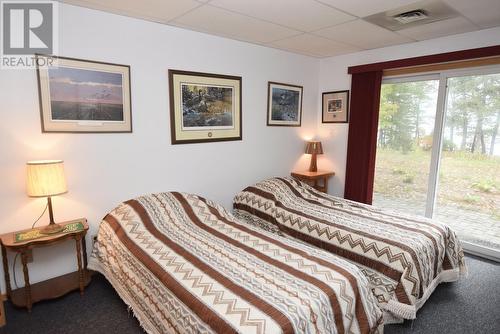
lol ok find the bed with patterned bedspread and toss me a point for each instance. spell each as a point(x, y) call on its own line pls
point(184, 264)
point(404, 257)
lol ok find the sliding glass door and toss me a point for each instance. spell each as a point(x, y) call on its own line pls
point(405, 135)
point(438, 152)
point(468, 193)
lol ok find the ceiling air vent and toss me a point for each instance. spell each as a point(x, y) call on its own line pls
point(415, 14)
point(411, 16)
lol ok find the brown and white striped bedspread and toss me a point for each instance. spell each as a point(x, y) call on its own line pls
point(186, 265)
point(404, 257)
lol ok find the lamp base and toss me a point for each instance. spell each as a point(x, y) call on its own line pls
point(313, 167)
point(52, 229)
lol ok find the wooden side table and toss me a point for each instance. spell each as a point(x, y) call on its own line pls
point(314, 178)
point(52, 288)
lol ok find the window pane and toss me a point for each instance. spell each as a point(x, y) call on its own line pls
point(468, 197)
point(404, 145)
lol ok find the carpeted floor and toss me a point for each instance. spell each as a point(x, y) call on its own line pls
point(471, 305)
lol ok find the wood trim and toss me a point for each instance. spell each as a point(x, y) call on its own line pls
point(312, 175)
point(484, 52)
point(3, 320)
point(443, 66)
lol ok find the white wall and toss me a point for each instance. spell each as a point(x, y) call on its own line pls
point(105, 169)
point(333, 77)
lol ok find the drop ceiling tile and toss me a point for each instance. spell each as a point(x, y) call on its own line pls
point(314, 45)
point(304, 15)
point(364, 8)
point(154, 10)
point(484, 13)
point(218, 21)
point(363, 35)
point(452, 26)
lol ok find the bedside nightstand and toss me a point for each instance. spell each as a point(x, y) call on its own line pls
point(25, 240)
point(312, 179)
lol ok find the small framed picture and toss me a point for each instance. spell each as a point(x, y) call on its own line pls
point(284, 104)
point(83, 96)
point(204, 107)
point(335, 107)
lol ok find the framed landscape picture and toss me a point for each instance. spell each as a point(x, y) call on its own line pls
point(284, 104)
point(204, 107)
point(83, 96)
point(335, 107)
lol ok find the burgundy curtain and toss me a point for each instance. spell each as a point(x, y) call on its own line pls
point(362, 140)
point(363, 123)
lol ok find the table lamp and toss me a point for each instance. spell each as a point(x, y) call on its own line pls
point(314, 148)
point(45, 178)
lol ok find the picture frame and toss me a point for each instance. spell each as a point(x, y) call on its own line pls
point(335, 107)
point(284, 104)
point(204, 107)
point(83, 96)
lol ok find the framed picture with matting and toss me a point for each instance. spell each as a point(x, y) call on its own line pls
point(284, 104)
point(204, 107)
point(79, 96)
point(335, 107)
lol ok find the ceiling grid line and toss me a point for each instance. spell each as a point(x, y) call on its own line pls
point(317, 28)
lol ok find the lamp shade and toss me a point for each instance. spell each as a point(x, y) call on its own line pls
point(45, 178)
point(314, 147)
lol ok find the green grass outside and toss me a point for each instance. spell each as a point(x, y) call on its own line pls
point(471, 181)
